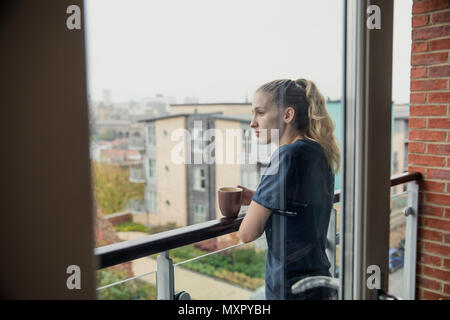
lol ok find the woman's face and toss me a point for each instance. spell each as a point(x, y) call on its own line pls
point(266, 118)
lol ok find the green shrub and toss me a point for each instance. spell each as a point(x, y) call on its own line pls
point(131, 290)
point(244, 267)
point(162, 228)
point(131, 226)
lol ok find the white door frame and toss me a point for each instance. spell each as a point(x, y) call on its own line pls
point(366, 167)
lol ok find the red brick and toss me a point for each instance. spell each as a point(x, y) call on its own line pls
point(447, 288)
point(431, 211)
point(420, 21)
point(439, 123)
point(438, 148)
point(440, 44)
point(419, 72)
point(429, 32)
point(427, 135)
point(436, 273)
point(438, 174)
point(429, 58)
point(441, 17)
point(416, 169)
point(447, 213)
point(417, 123)
point(431, 5)
point(440, 71)
point(428, 283)
point(416, 147)
point(429, 259)
point(439, 224)
point(439, 97)
point(419, 85)
point(419, 269)
point(419, 46)
point(426, 160)
point(417, 97)
point(447, 238)
point(429, 295)
point(431, 185)
point(437, 248)
point(447, 263)
point(443, 199)
point(426, 234)
point(426, 110)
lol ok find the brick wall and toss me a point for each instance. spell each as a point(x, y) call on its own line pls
point(430, 143)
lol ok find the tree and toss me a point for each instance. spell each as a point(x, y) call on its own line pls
point(112, 187)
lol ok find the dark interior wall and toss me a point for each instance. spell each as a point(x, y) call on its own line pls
point(47, 221)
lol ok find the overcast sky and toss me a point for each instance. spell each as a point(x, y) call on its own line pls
point(221, 51)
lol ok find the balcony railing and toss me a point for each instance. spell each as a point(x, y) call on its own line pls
point(161, 243)
point(136, 143)
point(137, 174)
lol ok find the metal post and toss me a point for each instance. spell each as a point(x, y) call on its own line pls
point(331, 242)
point(409, 269)
point(164, 277)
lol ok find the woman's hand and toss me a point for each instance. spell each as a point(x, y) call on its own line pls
point(247, 195)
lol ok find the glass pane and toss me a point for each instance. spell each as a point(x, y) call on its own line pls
point(236, 273)
point(207, 71)
point(134, 280)
point(399, 202)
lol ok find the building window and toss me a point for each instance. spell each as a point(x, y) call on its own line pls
point(199, 179)
point(405, 159)
point(153, 202)
point(167, 203)
point(246, 141)
point(250, 179)
point(395, 162)
point(200, 214)
point(166, 168)
point(152, 168)
point(244, 179)
point(151, 134)
point(253, 180)
point(197, 137)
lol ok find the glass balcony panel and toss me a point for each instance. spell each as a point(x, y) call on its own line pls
point(399, 203)
point(134, 280)
point(136, 143)
point(137, 174)
point(221, 269)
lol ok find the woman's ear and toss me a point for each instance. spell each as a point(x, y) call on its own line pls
point(289, 114)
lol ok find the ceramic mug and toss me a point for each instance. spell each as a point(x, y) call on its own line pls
point(230, 201)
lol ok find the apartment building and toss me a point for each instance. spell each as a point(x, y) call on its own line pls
point(191, 153)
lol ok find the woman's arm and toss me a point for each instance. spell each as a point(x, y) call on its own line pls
point(252, 227)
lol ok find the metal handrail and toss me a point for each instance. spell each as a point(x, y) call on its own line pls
point(125, 251)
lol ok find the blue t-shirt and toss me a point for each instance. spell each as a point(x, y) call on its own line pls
point(297, 179)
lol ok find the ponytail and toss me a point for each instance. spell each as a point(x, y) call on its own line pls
point(321, 125)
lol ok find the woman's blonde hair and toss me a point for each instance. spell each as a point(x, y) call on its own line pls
point(311, 116)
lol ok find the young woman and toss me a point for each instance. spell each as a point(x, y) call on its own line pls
point(293, 201)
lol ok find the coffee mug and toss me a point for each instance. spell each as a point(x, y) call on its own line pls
point(230, 201)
